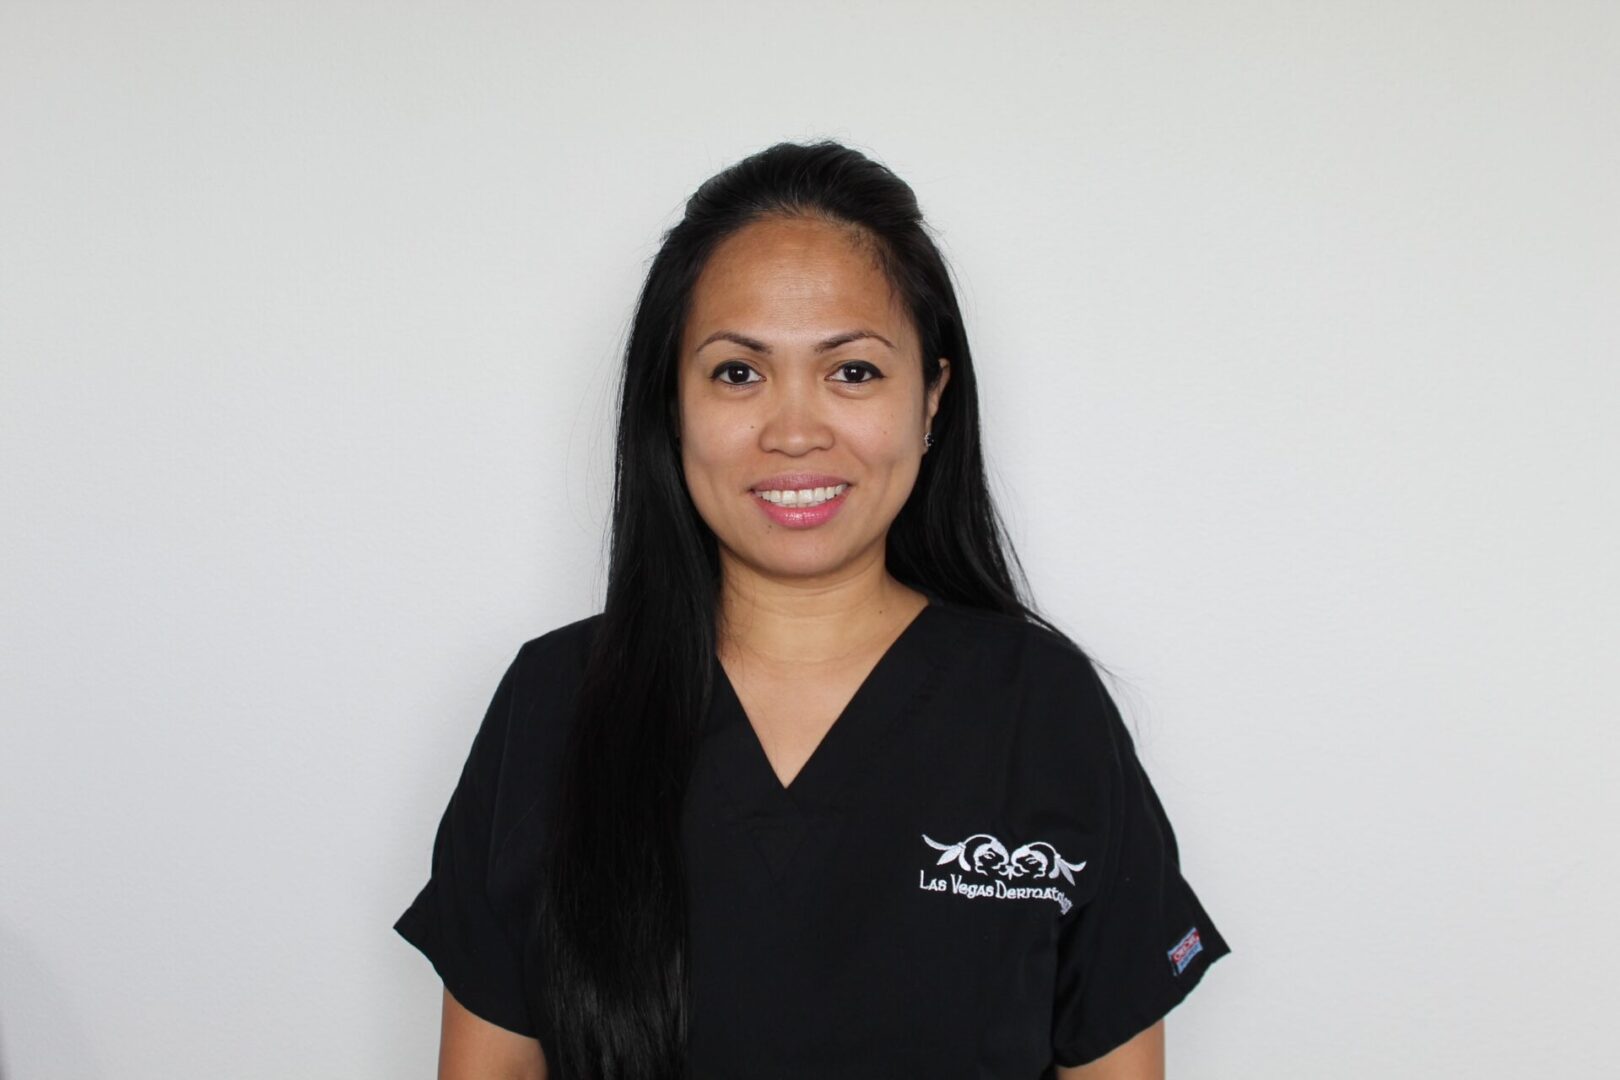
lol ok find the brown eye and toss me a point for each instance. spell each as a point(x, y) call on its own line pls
point(860, 365)
point(731, 365)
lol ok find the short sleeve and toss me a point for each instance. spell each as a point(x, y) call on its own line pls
point(452, 920)
point(1144, 941)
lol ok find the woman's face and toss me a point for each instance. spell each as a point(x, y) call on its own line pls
point(777, 391)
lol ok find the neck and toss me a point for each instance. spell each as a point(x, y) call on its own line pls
point(789, 625)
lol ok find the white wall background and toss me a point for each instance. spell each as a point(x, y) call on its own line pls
point(1297, 331)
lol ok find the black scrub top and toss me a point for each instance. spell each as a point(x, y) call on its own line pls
point(971, 876)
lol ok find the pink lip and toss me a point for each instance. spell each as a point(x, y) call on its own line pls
point(798, 481)
point(807, 517)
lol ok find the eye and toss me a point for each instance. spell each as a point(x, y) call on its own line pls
point(731, 365)
point(860, 365)
point(720, 373)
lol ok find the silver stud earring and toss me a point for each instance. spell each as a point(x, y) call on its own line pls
point(928, 439)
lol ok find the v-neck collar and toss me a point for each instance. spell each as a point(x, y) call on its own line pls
point(879, 702)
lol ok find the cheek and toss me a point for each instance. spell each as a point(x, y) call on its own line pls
point(886, 444)
point(718, 441)
point(711, 455)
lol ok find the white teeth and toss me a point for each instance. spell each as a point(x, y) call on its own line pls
point(802, 497)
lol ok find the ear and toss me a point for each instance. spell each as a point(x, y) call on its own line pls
point(939, 387)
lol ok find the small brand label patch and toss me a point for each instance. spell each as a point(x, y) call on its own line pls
point(1185, 949)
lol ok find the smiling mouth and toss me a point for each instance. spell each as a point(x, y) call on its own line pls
point(803, 497)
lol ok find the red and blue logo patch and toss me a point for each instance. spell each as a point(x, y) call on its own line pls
point(1188, 947)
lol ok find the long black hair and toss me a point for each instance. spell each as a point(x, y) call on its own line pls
point(611, 911)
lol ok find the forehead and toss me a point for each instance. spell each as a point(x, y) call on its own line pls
point(779, 278)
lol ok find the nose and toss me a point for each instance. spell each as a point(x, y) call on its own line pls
point(795, 420)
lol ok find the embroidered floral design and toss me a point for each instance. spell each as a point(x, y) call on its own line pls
point(982, 853)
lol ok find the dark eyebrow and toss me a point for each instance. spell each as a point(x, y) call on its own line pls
point(765, 350)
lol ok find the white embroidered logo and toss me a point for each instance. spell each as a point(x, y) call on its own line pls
point(983, 854)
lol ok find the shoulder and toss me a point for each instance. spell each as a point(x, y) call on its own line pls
point(550, 666)
point(1019, 650)
point(561, 648)
point(1037, 683)
point(539, 687)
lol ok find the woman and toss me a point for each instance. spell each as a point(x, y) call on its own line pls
point(816, 794)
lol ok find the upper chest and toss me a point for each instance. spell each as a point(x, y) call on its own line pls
point(790, 714)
